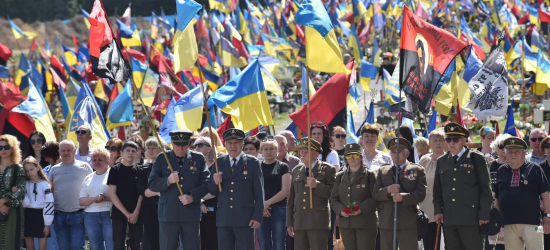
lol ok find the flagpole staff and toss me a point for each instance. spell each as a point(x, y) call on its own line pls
point(149, 115)
point(309, 139)
point(397, 174)
point(209, 124)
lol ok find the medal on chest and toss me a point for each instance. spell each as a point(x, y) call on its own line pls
point(193, 167)
point(245, 172)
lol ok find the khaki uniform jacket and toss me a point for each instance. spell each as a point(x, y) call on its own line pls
point(298, 213)
point(462, 191)
point(359, 190)
point(413, 188)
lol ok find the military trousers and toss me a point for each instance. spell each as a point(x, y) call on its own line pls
point(407, 239)
point(359, 239)
point(232, 238)
point(310, 239)
point(462, 238)
point(171, 232)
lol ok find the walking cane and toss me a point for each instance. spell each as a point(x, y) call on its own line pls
point(437, 236)
point(496, 241)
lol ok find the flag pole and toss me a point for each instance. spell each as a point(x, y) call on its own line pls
point(149, 115)
point(203, 90)
point(397, 173)
point(309, 138)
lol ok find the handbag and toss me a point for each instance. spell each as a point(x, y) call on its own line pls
point(4, 217)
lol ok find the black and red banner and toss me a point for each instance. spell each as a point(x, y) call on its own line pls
point(426, 51)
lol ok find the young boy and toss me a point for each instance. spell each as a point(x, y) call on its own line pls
point(126, 198)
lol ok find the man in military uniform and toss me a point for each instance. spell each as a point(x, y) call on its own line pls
point(310, 226)
point(241, 201)
point(462, 194)
point(180, 215)
point(408, 191)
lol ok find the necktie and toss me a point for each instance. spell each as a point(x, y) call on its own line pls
point(455, 158)
point(307, 172)
point(234, 164)
point(515, 178)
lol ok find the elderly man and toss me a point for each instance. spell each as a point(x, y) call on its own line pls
point(241, 200)
point(282, 153)
point(66, 178)
point(462, 193)
point(408, 191)
point(180, 215)
point(291, 142)
point(537, 155)
point(519, 188)
point(308, 226)
point(83, 137)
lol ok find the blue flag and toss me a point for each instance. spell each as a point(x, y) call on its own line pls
point(169, 124)
point(350, 137)
point(431, 127)
point(510, 127)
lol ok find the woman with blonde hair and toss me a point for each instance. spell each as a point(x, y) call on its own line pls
point(12, 188)
point(114, 146)
point(217, 141)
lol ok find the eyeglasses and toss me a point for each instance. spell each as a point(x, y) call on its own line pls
point(318, 125)
point(81, 132)
point(112, 148)
point(37, 141)
point(355, 156)
point(342, 136)
point(6, 147)
point(501, 146)
point(452, 139)
point(200, 145)
point(536, 139)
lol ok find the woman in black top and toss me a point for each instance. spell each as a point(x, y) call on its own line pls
point(209, 231)
point(545, 147)
point(339, 138)
point(149, 204)
point(36, 142)
point(272, 232)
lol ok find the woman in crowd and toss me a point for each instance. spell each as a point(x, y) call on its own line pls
point(407, 133)
point(138, 157)
point(422, 146)
point(251, 146)
point(205, 132)
point(373, 157)
point(50, 152)
point(487, 136)
point(272, 231)
point(209, 231)
point(429, 162)
point(38, 205)
point(36, 142)
point(94, 195)
point(12, 189)
point(149, 204)
point(359, 227)
point(339, 138)
point(114, 146)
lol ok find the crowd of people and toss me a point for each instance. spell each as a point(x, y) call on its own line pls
point(275, 192)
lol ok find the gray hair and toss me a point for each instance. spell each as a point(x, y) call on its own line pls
point(67, 142)
point(282, 138)
point(538, 130)
point(420, 142)
point(499, 140)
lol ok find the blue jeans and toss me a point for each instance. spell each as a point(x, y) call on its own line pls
point(70, 230)
point(272, 231)
point(100, 230)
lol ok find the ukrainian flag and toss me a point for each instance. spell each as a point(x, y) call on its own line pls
point(24, 68)
point(529, 58)
point(375, 59)
point(207, 76)
point(392, 87)
point(99, 91)
point(534, 15)
point(322, 49)
point(358, 9)
point(353, 42)
point(446, 94)
point(543, 69)
point(154, 25)
point(18, 33)
point(513, 54)
point(35, 107)
point(86, 17)
point(129, 37)
point(4, 73)
point(122, 111)
point(24, 86)
point(149, 87)
point(185, 44)
point(67, 109)
point(138, 72)
point(70, 55)
point(188, 109)
point(245, 99)
point(368, 73)
point(85, 113)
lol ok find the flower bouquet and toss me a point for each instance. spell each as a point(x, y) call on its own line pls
point(351, 208)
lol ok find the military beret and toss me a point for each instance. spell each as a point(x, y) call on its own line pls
point(454, 128)
point(353, 148)
point(233, 133)
point(180, 137)
point(514, 142)
point(403, 143)
point(315, 145)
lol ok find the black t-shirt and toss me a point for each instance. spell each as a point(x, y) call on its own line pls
point(125, 179)
point(521, 204)
point(341, 157)
point(545, 168)
point(493, 168)
point(273, 179)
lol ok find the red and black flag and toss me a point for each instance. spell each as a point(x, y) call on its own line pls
point(105, 55)
point(426, 51)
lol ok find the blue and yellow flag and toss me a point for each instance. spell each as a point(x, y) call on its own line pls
point(86, 18)
point(149, 87)
point(99, 91)
point(375, 57)
point(245, 99)
point(169, 123)
point(321, 37)
point(35, 107)
point(4, 73)
point(529, 58)
point(207, 76)
point(543, 69)
point(185, 44)
point(446, 93)
point(122, 111)
point(128, 36)
point(513, 54)
point(368, 73)
point(391, 83)
point(188, 109)
point(138, 71)
point(353, 42)
point(70, 56)
point(18, 33)
point(24, 68)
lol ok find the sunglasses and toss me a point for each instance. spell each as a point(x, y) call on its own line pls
point(501, 146)
point(37, 141)
point(6, 147)
point(80, 132)
point(112, 148)
point(452, 139)
point(200, 145)
point(489, 129)
point(537, 139)
point(340, 136)
point(546, 145)
point(355, 156)
point(318, 125)
point(269, 138)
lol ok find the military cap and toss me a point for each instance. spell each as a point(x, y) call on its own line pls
point(233, 133)
point(514, 142)
point(403, 143)
point(353, 148)
point(180, 137)
point(315, 145)
point(455, 129)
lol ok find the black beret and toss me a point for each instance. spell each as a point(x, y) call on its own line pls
point(233, 133)
point(180, 137)
point(454, 128)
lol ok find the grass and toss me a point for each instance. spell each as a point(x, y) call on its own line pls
point(281, 121)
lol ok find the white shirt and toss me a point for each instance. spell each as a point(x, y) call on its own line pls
point(39, 196)
point(379, 160)
point(461, 152)
point(237, 161)
point(332, 159)
point(86, 158)
point(92, 186)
